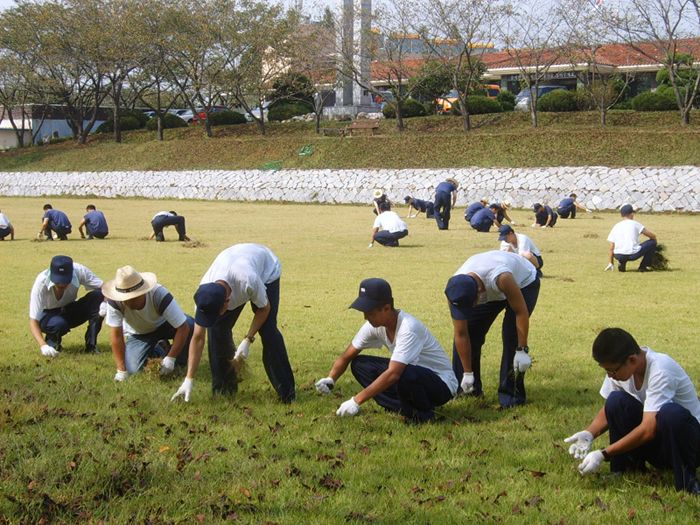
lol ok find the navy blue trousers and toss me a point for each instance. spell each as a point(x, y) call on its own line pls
point(61, 232)
point(162, 221)
point(675, 446)
point(646, 253)
point(4, 232)
point(511, 389)
point(57, 322)
point(274, 354)
point(415, 395)
point(483, 227)
point(441, 210)
point(391, 239)
point(564, 213)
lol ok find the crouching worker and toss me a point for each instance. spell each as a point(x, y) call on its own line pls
point(651, 411)
point(147, 313)
point(413, 381)
point(388, 228)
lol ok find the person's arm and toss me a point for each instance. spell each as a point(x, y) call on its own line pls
point(599, 425)
point(463, 343)
point(530, 258)
point(387, 378)
point(116, 338)
point(179, 340)
point(454, 198)
point(506, 283)
point(36, 332)
point(195, 350)
point(12, 232)
point(550, 214)
point(507, 217)
point(649, 234)
point(44, 226)
point(640, 435)
point(80, 229)
point(611, 253)
point(581, 207)
point(374, 232)
point(261, 315)
point(342, 362)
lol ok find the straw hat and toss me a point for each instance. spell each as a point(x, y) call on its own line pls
point(453, 181)
point(378, 193)
point(129, 284)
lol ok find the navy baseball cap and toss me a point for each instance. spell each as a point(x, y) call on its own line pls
point(536, 206)
point(374, 292)
point(461, 292)
point(209, 298)
point(61, 269)
point(626, 210)
point(503, 231)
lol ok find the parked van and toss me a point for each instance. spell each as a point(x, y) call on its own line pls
point(444, 103)
point(522, 99)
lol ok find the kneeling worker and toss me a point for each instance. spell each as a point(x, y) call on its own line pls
point(413, 381)
point(388, 227)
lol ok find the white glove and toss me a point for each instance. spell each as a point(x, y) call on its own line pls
point(121, 375)
point(513, 223)
point(370, 245)
point(185, 390)
point(521, 361)
point(325, 385)
point(103, 308)
point(589, 211)
point(610, 267)
point(467, 383)
point(167, 366)
point(543, 226)
point(348, 408)
point(591, 463)
point(580, 444)
point(48, 351)
point(242, 350)
point(533, 225)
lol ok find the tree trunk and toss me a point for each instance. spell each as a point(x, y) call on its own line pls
point(318, 123)
point(116, 96)
point(261, 123)
point(466, 120)
point(160, 126)
point(685, 116)
point(533, 113)
point(399, 116)
point(603, 116)
point(207, 126)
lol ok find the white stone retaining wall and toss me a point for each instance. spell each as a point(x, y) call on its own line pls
point(650, 189)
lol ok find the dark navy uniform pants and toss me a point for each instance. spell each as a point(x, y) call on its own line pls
point(483, 226)
point(162, 221)
point(441, 209)
point(391, 239)
point(57, 322)
point(646, 253)
point(61, 232)
point(564, 213)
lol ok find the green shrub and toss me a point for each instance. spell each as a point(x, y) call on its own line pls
point(478, 105)
point(584, 100)
point(507, 100)
point(558, 100)
point(135, 113)
point(654, 101)
point(409, 108)
point(623, 104)
point(169, 121)
point(287, 110)
point(225, 118)
point(125, 123)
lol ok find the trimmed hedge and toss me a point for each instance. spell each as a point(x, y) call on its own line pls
point(169, 121)
point(478, 105)
point(559, 100)
point(287, 110)
point(225, 118)
point(127, 123)
point(654, 101)
point(507, 100)
point(410, 108)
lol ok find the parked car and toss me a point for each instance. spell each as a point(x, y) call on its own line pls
point(185, 114)
point(256, 112)
point(444, 103)
point(381, 98)
point(522, 99)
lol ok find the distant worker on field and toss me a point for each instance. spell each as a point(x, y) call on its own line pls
point(55, 221)
point(420, 206)
point(624, 242)
point(483, 219)
point(168, 218)
point(6, 228)
point(502, 212)
point(94, 222)
point(388, 227)
point(445, 199)
point(522, 245)
point(379, 198)
point(545, 217)
point(475, 207)
point(568, 206)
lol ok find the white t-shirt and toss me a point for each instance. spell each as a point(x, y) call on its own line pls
point(625, 236)
point(390, 221)
point(147, 319)
point(163, 213)
point(489, 265)
point(246, 268)
point(525, 244)
point(42, 295)
point(413, 345)
point(665, 381)
point(4, 221)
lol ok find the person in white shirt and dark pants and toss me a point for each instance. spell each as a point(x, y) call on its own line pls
point(624, 242)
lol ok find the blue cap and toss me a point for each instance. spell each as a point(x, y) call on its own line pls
point(61, 269)
point(461, 292)
point(503, 231)
point(536, 206)
point(209, 298)
point(627, 209)
point(374, 292)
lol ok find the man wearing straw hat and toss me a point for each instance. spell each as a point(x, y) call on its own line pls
point(149, 315)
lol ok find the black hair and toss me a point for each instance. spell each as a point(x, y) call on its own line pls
point(48, 207)
point(614, 345)
point(90, 207)
point(494, 206)
point(573, 195)
point(384, 206)
point(174, 213)
point(407, 199)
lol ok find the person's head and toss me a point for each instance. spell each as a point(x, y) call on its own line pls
point(90, 207)
point(375, 300)
point(211, 300)
point(616, 351)
point(494, 207)
point(484, 201)
point(572, 195)
point(462, 292)
point(453, 182)
point(172, 212)
point(61, 271)
point(408, 199)
point(506, 233)
point(627, 211)
point(378, 193)
point(537, 207)
point(129, 286)
point(48, 207)
point(384, 206)
point(505, 204)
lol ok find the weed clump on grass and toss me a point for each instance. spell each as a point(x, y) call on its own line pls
point(659, 262)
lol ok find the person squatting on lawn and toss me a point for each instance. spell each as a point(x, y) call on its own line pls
point(420, 206)
point(522, 245)
point(502, 212)
point(94, 222)
point(651, 411)
point(54, 307)
point(149, 315)
point(54, 221)
point(445, 199)
point(475, 207)
point(241, 273)
point(568, 206)
point(6, 228)
point(544, 216)
point(413, 381)
point(624, 242)
point(484, 218)
point(483, 286)
point(168, 218)
point(388, 227)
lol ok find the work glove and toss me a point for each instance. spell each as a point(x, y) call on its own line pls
point(591, 463)
point(103, 308)
point(370, 245)
point(543, 226)
point(325, 385)
point(467, 383)
point(48, 351)
point(242, 350)
point(185, 390)
point(348, 408)
point(580, 444)
point(521, 361)
point(167, 366)
point(533, 225)
point(121, 375)
point(610, 267)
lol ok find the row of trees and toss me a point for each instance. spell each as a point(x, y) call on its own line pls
point(85, 54)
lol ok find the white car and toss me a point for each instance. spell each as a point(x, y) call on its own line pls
point(522, 99)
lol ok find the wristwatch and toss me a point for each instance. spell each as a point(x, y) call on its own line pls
point(606, 456)
point(523, 349)
point(251, 339)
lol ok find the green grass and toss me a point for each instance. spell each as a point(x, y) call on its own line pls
point(501, 140)
point(77, 447)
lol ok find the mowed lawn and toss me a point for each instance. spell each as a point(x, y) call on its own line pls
point(77, 447)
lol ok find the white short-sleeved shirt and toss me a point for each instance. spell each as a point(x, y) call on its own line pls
point(147, 319)
point(525, 244)
point(665, 381)
point(4, 221)
point(163, 213)
point(390, 221)
point(246, 268)
point(489, 265)
point(625, 234)
point(42, 295)
point(413, 345)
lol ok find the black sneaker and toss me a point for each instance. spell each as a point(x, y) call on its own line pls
point(91, 349)
point(693, 488)
point(644, 269)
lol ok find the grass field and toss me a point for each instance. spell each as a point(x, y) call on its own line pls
point(76, 447)
point(500, 140)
